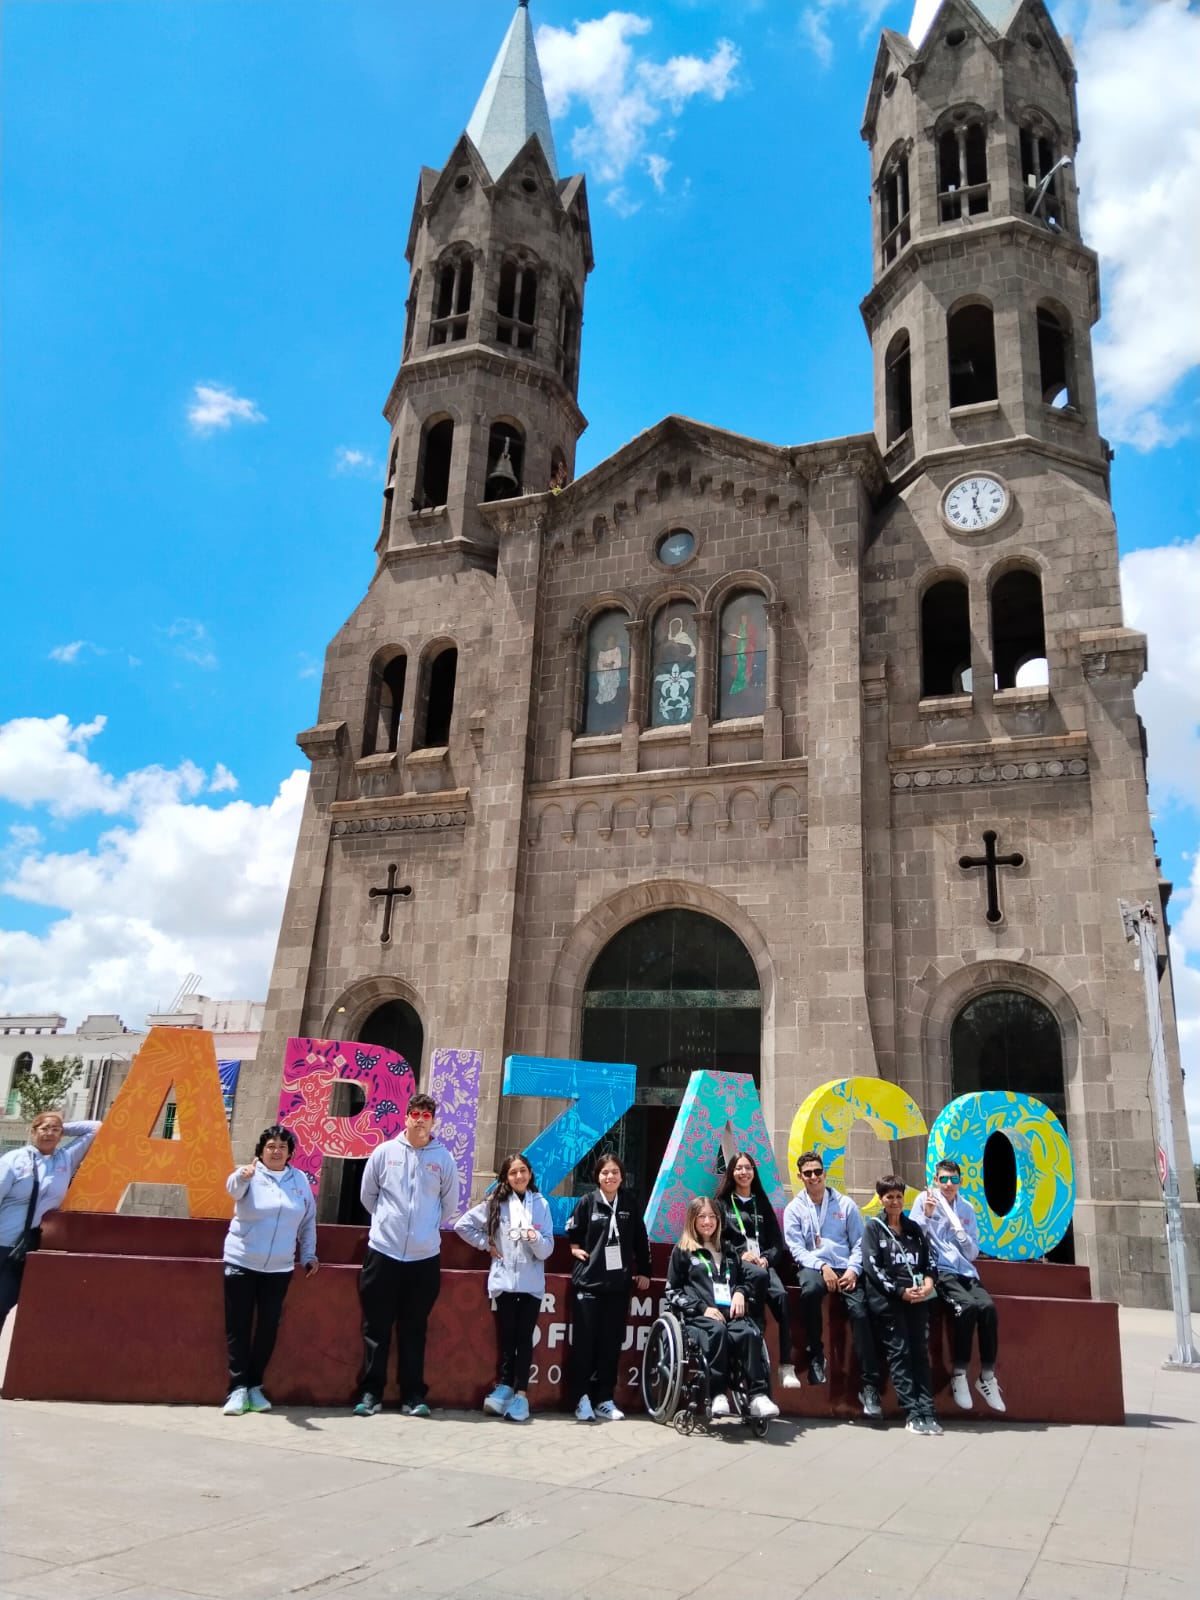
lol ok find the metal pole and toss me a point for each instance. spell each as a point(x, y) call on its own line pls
point(1140, 923)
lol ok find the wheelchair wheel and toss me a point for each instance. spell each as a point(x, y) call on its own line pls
point(760, 1426)
point(662, 1368)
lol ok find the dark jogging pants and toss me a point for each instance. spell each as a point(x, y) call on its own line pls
point(396, 1295)
point(812, 1300)
point(597, 1334)
point(970, 1307)
point(253, 1308)
point(516, 1318)
point(739, 1341)
point(765, 1290)
point(903, 1331)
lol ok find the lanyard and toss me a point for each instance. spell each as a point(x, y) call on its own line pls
point(951, 1217)
point(702, 1257)
point(750, 1233)
point(917, 1277)
point(818, 1221)
point(614, 1235)
point(519, 1215)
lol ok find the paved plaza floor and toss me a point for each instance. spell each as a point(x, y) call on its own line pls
point(160, 1502)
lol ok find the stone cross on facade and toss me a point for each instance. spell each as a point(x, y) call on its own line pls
point(989, 861)
point(389, 896)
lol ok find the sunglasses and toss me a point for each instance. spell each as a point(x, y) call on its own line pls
point(946, 1177)
point(813, 1172)
point(420, 1116)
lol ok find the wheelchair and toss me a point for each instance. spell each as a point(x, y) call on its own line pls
point(676, 1381)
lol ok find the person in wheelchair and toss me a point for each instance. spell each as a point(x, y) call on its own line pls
point(749, 1224)
point(706, 1287)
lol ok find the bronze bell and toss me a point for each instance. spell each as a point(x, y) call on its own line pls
point(502, 481)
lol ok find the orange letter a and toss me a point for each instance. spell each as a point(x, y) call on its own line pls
point(124, 1152)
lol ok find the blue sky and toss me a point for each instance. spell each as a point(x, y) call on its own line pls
point(214, 198)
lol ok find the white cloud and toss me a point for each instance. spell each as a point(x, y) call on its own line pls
point(44, 762)
point(357, 463)
point(624, 96)
point(658, 167)
point(68, 654)
point(816, 22)
point(1139, 179)
point(222, 780)
point(191, 642)
point(214, 407)
point(1161, 592)
point(179, 887)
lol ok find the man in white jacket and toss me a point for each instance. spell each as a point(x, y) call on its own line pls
point(410, 1187)
point(953, 1232)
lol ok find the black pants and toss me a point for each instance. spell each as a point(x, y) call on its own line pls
point(970, 1307)
point(253, 1307)
point(812, 1300)
point(765, 1291)
point(516, 1318)
point(903, 1331)
point(400, 1295)
point(597, 1334)
point(10, 1283)
point(738, 1342)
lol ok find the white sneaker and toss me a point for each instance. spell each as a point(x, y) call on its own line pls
point(720, 1405)
point(584, 1412)
point(238, 1402)
point(257, 1401)
point(990, 1390)
point(787, 1376)
point(606, 1411)
point(763, 1406)
point(961, 1390)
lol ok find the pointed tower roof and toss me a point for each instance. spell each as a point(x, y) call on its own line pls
point(512, 107)
point(997, 12)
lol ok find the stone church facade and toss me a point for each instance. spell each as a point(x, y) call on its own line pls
point(680, 762)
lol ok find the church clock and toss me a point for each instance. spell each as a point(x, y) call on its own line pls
point(974, 503)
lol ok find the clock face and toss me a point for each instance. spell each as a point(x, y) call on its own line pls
point(975, 503)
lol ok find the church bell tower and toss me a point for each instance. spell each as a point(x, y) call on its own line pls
point(399, 921)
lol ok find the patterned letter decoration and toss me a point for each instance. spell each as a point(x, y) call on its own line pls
point(712, 1103)
point(1045, 1199)
point(124, 1152)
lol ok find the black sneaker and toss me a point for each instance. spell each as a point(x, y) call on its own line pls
point(868, 1399)
point(369, 1406)
point(816, 1370)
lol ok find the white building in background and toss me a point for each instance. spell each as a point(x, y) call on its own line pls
point(107, 1047)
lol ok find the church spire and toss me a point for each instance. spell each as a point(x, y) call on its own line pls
point(997, 12)
point(512, 107)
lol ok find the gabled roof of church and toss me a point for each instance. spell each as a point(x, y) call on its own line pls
point(512, 107)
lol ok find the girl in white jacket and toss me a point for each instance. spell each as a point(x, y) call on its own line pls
point(513, 1224)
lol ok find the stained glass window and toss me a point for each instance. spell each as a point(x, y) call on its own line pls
point(673, 665)
point(606, 691)
point(743, 656)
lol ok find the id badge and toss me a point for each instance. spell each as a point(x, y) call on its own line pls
point(722, 1294)
point(751, 1246)
point(612, 1258)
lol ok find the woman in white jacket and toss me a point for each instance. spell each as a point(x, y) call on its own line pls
point(274, 1221)
point(514, 1225)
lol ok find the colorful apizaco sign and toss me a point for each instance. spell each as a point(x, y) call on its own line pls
point(717, 1106)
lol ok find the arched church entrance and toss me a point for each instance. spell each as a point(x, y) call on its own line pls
point(1004, 1039)
point(674, 992)
point(394, 1025)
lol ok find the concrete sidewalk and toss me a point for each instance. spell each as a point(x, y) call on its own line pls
point(151, 1503)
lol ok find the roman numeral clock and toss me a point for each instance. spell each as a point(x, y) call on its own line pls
point(975, 503)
